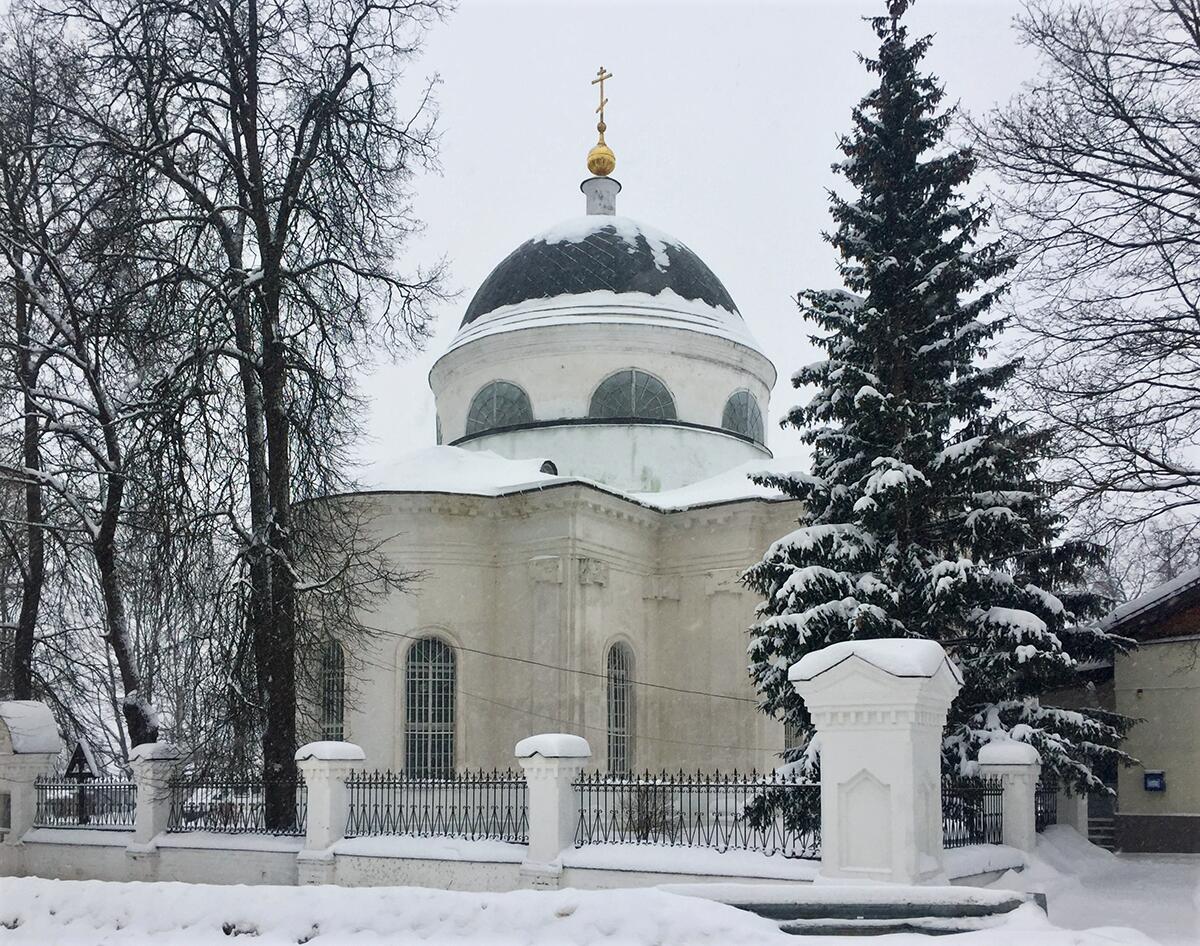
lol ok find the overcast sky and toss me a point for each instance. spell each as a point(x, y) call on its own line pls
point(724, 119)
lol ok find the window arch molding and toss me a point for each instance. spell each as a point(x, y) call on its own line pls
point(429, 704)
point(620, 706)
point(498, 404)
point(632, 392)
point(743, 415)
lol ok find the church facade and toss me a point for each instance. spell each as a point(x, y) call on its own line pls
point(581, 525)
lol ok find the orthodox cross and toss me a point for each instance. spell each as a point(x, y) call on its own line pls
point(600, 77)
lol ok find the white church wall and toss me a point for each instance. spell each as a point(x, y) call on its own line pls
point(553, 578)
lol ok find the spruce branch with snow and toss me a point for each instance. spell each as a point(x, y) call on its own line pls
point(925, 516)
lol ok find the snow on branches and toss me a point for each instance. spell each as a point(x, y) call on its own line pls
point(924, 514)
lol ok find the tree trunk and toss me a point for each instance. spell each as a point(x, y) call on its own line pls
point(35, 548)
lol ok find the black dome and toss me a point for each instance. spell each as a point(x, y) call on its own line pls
point(598, 253)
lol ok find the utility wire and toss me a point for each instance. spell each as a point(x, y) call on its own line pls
point(585, 673)
point(380, 665)
point(601, 729)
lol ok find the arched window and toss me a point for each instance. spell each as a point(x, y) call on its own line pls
point(499, 404)
point(632, 393)
point(620, 709)
point(333, 692)
point(743, 415)
point(429, 709)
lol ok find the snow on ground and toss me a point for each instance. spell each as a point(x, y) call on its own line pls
point(1087, 886)
point(1096, 899)
point(35, 912)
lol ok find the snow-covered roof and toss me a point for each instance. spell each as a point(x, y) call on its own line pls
point(1165, 594)
point(598, 252)
point(898, 657)
point(31, 726)
point(457, 471)
point(664, 309)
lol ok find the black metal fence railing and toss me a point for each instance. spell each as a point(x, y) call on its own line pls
point(469, 805)
point(768, 813)
point(238, 806)
point(100, 803)
point(972, 812)
point(1045, 805)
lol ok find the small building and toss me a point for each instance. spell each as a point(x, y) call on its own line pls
point(1158, 800)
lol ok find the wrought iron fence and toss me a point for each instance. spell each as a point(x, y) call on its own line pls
point(768, 813)
point(972, 812)
point(470, 805)
point(1045, 805)
point(98, 803)
point(238, 806)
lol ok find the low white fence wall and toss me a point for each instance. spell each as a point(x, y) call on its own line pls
point(490, 832)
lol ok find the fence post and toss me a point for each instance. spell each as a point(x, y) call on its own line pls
point(1018, 766)
point(879, 707)
point(153, 765)
point(551, 761)
point(1073, 810)
point(325, 766)
point(29, 743)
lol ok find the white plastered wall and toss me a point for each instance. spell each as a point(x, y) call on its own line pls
point(551, 578)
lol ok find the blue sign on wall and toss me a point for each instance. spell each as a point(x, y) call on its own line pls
point(1154, 781)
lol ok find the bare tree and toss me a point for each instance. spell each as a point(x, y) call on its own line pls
point(1102, 165)
point(275, 134)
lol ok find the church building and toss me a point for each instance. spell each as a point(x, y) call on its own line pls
point(583, 521)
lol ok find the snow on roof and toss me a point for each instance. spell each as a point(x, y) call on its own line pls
point(578, 229)
point(31, 726)
point(457, 471)
point(666, 309)
point(899, 657)
point(1154, 598)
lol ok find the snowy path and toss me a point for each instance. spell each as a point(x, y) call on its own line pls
point(1087, 887)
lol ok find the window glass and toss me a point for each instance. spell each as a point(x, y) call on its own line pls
point(632, 393)
point(743, 416)
point(620, 709)
point(429, 709)
point(499, 404)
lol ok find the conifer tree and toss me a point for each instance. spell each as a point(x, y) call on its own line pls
point(924, 515)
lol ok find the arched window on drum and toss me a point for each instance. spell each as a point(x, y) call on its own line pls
point(632, 393)
point(498, 404)
point(743, 416)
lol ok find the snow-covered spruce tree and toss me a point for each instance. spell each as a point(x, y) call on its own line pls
point(924, 515)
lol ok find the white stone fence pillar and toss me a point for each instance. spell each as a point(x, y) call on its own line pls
point(154, 765)
point(325, 767)
point(552, 762)
point(1018, 766)
point(29, 744)
point(879, 708)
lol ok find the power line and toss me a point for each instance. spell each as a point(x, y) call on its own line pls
point(380, 665)
point(585, 673)
point(600, 729)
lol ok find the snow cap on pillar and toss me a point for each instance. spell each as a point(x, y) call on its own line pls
point(898, 657)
